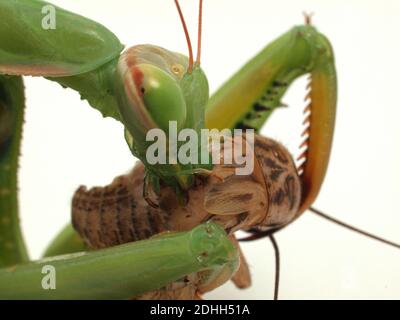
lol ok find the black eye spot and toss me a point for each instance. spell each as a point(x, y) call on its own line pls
point(142, 90)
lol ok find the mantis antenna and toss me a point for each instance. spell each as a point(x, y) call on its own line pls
point(199, 32)
point(307, 17)
point(190, 68)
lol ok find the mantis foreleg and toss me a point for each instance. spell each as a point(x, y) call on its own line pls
point(124, 271)
point(254, 92)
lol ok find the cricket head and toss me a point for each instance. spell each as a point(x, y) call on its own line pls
point(156, 86)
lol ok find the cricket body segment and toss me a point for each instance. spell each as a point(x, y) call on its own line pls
point(282, 182)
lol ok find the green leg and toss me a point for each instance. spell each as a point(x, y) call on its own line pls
point(248, 99)
point(250, 96)
point(67, 241)
point(12, 247)
point(123, 271)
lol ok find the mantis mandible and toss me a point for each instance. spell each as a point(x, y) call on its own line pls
point(246, 100)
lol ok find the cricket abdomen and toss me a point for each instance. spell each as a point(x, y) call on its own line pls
point(117, 213)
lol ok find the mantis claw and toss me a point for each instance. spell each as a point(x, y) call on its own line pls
point(320, 122)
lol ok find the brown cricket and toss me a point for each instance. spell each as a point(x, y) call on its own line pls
point(267, 199)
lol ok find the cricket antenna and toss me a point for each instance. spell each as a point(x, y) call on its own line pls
point(190, 67)
point(277, 266)
point(255, 235)
point(199, 32)
point(350, 227)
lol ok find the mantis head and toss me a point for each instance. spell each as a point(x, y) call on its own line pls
point(156, 86)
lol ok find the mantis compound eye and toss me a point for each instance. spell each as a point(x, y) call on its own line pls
point(149, 90)
point(162, 96)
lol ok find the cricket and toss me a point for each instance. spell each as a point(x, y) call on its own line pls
point(168, 229)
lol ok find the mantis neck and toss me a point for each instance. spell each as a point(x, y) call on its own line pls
point(97, 87)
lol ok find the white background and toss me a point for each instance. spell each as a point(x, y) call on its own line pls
point(67, 143)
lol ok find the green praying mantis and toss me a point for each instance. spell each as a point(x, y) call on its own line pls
point(87, 57)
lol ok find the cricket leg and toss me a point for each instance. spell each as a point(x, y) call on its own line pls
point(242, 277)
